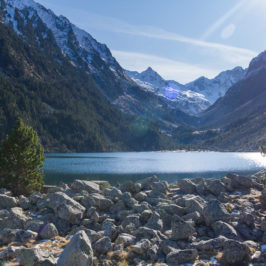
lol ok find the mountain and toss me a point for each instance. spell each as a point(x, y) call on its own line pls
point(62, 89)
point(241, 113)
point(191, 98)
point(215, 88)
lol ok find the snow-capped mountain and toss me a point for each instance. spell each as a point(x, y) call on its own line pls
point(215, 88)
point(193, 97)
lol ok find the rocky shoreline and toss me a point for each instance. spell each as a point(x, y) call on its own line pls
point(150, 222)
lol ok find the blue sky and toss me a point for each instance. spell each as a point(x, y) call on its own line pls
point(180, 39)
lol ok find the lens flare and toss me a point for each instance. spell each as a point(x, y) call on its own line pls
point(171, 92)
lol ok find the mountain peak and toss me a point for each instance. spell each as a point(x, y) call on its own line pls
point(257, 63)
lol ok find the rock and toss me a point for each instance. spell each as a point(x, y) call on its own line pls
point(194, 216)
point(128, 187)
point(16, 219)
point(101, 202)
point(194, 203)
point(215, 211)
point(201, 188)
point(103, 245)
point(24, 202)
point(133, 218)
point(181, 230)
point(159, 186)
point(48, 231)
point(224, 229)
point(113, 193)
point(89, 186)
point(263, 226)
point(152, 253)
point(223, 197)
point(145, 216)
point(263, 198)
point(248, 219)
point(146, 182)
point(248, 233)
point(102, 184)
point(171, 209)
point(35, 257)
point(168, 246)
point(65, 207)
point(155, 222)
point(141, 196)
point(244, 181)
point(215, 186)
point(235, 252)
point(211, 244)
point(141, 247)
point(110, 229)
point(178, 257)
point(186, 186)
point(7, 201)
point(145, 232)
point(125, 239)
point(78, 252)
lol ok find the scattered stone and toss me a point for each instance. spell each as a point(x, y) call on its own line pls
point(181, 230)
point(65, 207)
point(78, 252)
point(48, 231)
point(7, 201)
point(178, 257)
point(89, 186)
point(186, 186)
point(103, 245)
point(224, 229)
point(215, 211)
point(235, 252)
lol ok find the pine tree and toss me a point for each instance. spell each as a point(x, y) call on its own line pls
point(21, 160)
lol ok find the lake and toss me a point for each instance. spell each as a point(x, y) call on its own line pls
point(117, 167)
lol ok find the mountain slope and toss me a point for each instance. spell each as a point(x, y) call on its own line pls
point(241, 113)
point(60, 100)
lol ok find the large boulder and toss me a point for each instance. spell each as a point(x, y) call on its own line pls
point(224, 229)
point(102, 203)
point(15, 218)
point(215, 211)
point(7, 201)
point(215, 186)
point(103, 245)
point(194, 203)
point(186, 186)
point(178, 257)
point(181, 230)
point(211, 244)
point(125, 239)
point(235, 252)
point(65, 208)
point(89, 186)
point(48, 231)
point(155, 222)
point(78, 252)
point(244, 181)
point(35, 257)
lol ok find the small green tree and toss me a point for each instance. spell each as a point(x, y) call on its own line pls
point(21, 160)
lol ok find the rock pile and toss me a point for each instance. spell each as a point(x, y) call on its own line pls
point(222, 221)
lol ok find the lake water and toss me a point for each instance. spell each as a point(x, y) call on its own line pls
point(117, 167)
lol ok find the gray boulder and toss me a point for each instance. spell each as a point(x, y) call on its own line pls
point(215, 186)
point(89, 186)
point(178, 257)
point(141, 196)
point(24, 202)
point(78, 252)
point(181, 230)
point(13, 219)
point(48, 231)
point(211, 244)
point(103, 245)
point(141, 247)
point(155, 222)
point(235, 252)
point(35, 257)
point(113, 193)
point(186, 186)
point(215, 211)
point(7, 201)
point(8, 235)
point(125, 239)
point(101, 202)
point(65, 207)
point(194, 216)
point(224, 229)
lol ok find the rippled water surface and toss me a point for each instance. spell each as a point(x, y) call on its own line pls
point(122, 166)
